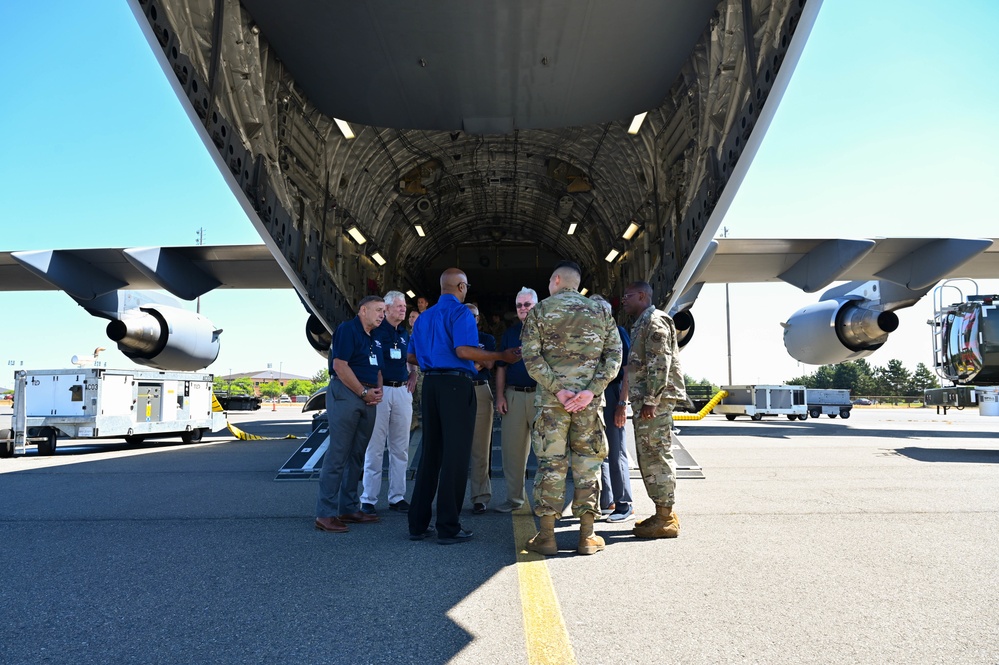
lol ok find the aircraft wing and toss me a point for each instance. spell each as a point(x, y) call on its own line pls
point(813, 264)
point(186, 272)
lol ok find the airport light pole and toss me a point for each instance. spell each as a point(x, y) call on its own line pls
point(728, 322)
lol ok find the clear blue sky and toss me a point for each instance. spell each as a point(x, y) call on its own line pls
point(887, 128)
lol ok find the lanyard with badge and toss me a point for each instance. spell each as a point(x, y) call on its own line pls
point(395, 353)
point(372, 359)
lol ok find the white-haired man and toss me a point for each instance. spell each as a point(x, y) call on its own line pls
point(515, 402)
point(395, 412)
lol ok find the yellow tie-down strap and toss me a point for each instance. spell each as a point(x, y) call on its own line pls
point(719, 396)
point(240, 434)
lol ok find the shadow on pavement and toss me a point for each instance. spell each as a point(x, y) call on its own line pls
point(959, 455)
point(195, 554)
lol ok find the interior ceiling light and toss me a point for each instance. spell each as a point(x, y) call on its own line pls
point(583, 291)
point(410, 293)
point(356, 234)
point(611, 255)
point(419, 230)
point(636, 123)
point(379, 259)
point(631, 231)
point(348, 133)
point(572, 229)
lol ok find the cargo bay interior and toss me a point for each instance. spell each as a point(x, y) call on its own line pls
point(373, 156)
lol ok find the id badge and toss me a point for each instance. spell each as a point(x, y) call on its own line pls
point(395, 354)
point(372, 360)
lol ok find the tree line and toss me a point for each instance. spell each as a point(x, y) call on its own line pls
point(244, 386)
point(861, 378)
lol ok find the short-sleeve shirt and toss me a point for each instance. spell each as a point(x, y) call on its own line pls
point(360, 350)
point(487, 342)
point(394, 342)
point(516, 374)
point(439, 331)
point(626, 343)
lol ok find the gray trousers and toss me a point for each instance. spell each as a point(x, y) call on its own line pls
point(615, 486)
point(350, 423)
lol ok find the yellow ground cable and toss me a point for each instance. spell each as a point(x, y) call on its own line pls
point(240, 434)
point(719, 396)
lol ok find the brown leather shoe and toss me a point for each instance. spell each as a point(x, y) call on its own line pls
point(358, 518)
point(331, 524)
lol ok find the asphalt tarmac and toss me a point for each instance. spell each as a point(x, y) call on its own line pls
point(869, 540)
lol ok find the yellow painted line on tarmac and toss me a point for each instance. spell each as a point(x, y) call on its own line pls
point(544, 628)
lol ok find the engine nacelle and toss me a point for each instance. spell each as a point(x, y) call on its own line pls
point(165, 337)
point(319, 337)
point(837, 330)
point(684, 322)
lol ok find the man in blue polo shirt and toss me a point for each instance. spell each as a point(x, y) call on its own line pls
point(515, 402)
point(355, 389)
point(394, 413)
point(445, 344)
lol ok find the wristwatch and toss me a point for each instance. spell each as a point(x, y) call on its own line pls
point(364, 393)
point(622, 403)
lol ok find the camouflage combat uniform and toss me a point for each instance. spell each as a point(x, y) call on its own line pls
point(569, 342)
point(655, 378)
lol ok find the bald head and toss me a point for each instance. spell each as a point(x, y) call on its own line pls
point(454, 281)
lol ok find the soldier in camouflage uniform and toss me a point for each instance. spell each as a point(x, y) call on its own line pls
point(571, 347)
point(655, 385)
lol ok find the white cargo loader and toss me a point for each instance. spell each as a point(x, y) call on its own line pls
point(100, 403)
point(757, 401)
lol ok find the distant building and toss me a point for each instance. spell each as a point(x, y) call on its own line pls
point(264, 376)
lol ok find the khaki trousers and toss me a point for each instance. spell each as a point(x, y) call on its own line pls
point(516, 442)
point(482, 443)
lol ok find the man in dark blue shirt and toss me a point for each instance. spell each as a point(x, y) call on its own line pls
point(482, 437)
point(515, 402)
point(445, 344)
point(355, 389)
point(615, 474)
point(394, 413)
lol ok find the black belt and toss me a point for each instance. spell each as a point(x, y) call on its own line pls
point(524, 389)
point(367, 385)
point(395, 384)
point(477, 382)
point(446, 372)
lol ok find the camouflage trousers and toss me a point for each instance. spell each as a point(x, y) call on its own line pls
point(654, 444)
point(560, 438)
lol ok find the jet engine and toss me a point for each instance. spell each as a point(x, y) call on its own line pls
point(837, 330)
point(684, 321)
point(165, 337)
point(319, 337)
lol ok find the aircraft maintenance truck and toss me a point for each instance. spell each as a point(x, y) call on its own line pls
point(101, 403)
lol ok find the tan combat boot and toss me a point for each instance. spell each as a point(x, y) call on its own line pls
point(543, 541)
point(588, 542)
point(664, 524)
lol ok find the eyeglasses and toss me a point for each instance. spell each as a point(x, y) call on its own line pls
point(467, 285)
point(628, 295)
point(525, 305)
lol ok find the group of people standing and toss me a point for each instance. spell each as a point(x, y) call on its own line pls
point(564, 375)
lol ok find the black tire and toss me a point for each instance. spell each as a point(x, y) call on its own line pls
point(844, 414)
point(6, 443)
point(134, 439)
point(792, 416)
point(729, 416)
point(815, 413)
point(831, 415)
point(192, 436)
point(757, 417)
point(48, 446)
